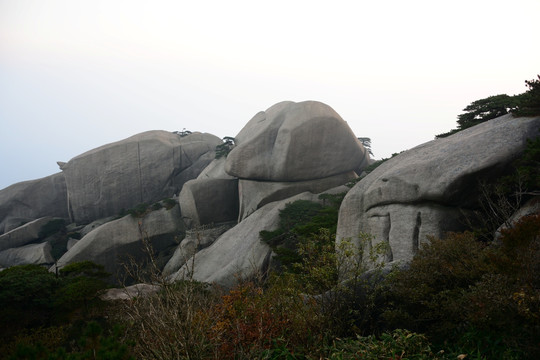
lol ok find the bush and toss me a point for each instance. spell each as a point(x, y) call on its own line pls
point(224, 149)
point(169, 203)
point(26, 297)
point(171, 324)
point(399, 344)
point(300, 221)
point(93, 344)
point(483, 299)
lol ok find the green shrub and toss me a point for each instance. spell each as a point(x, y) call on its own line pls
point(399, 344)
point(224, 149)
point(300, 221)
point(169, 203)
point(26, 297)
point(483, 299)
point(139, 210)
point(93, 344)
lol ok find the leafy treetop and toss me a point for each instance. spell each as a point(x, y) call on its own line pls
point(526, 104)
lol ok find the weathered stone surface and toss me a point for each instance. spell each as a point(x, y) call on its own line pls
point(71, 242)
point(422, 191)
point(294, 142)
point(208, 201)
point(129, 292)
point(95, 224)
point(215, 170)
point(195, 240)
point(30, 200)
point(143, 168)
point(38, 254)
point(23, 234)
point(112, 243)
point(239, 253)
point(255, 194)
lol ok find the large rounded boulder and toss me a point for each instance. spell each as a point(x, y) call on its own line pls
point(429, 189)
point(295, 142)
point(141, 169)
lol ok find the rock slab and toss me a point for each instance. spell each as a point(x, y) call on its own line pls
point(112, 243)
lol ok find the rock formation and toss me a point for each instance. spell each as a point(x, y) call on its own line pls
point(141, 169)
point(207, 201)
point(195, 240)
point(295, 142)
point(239, 253)
point(38, 254)
point(289, 152)
point(114, 242)
point(425, 191)
point(30, 200)
point(24, 234)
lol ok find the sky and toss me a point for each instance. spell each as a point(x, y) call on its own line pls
point(75, 75)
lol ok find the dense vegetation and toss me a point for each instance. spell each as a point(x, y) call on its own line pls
point(469, 295)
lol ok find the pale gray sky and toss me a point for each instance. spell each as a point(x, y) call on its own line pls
point(75, 75)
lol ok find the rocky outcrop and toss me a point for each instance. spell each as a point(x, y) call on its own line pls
point(207, 201)
point(112, 243)
point(255, 194)
point(29, 200)
point(239, 253)
point(141, 169)
point(425, 190)
point(295, 142)
point(195, 240)
point(24, 234)
point(38, 254)
point(215, 170)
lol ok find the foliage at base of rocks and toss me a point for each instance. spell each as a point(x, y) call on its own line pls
point(300, 222)
point(32, 297)
point(484, 298)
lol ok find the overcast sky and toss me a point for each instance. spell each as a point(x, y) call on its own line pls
point(75, 75)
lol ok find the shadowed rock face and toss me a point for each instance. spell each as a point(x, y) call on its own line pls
point(114, 242)
point(295, 142)
point(426, 190)
point(143, 168)
point(207, 201)
point(30, 200)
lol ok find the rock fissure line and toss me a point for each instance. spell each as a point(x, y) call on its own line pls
point(416, 232)
point(140, 171)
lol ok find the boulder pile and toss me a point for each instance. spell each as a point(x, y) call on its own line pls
point(199, 211)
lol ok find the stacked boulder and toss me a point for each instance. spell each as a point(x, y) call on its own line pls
point(291, 148)
point(289, 152)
